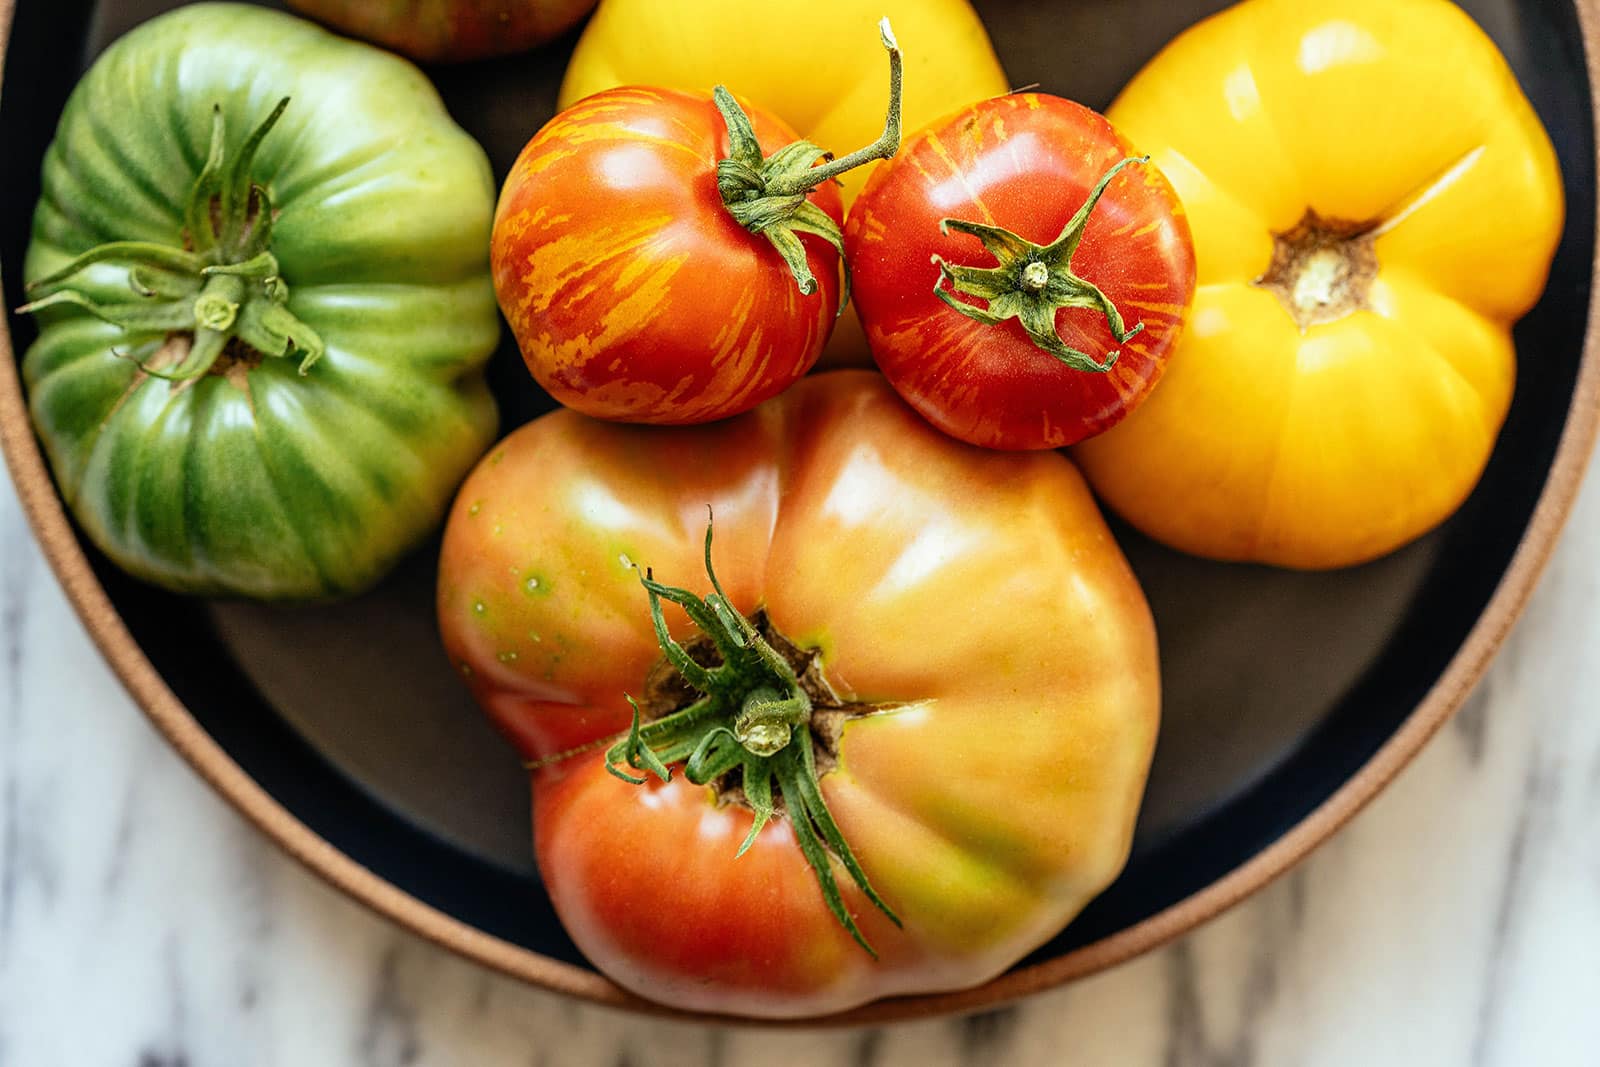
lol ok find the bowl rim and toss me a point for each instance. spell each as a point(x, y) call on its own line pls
point(51, 527)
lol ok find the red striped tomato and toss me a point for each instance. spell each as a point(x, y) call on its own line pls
point(661, 259)
point(1020, 274)
point(634, 294)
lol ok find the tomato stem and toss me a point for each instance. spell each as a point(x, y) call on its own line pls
point(217, 281)
point(768, 196)
point(1032, 282)
point(753, 719)
point(787, 183)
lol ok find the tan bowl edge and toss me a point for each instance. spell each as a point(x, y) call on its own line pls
point(54, 532)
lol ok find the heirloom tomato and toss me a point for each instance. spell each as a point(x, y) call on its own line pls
point(657, 265)
point(1021, 276)
point(260, 273)
point(811, 63)
point(1374, 203)
point(450, 30)
point(892, 744)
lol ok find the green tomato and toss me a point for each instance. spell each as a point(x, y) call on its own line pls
point(262, 329)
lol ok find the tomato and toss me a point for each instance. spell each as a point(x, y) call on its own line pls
point(450, 30)
point(1021, 276)
point(1374, 203)
point(259, 375)
point(657, 265)
point(811, 63)
point(977, 663)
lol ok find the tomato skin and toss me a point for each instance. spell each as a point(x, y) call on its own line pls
point(633, 293)
point(450, 31)
point(1025, 162)
point(976, 596)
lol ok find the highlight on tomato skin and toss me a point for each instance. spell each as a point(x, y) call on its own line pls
point(1022, 272)
point(969, 676)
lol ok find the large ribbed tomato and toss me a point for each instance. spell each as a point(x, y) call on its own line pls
point(668, 257)
point(964, 695)
point(261, 329)
point(1020, 275)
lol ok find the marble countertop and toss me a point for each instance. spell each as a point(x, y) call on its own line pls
point(144, 924)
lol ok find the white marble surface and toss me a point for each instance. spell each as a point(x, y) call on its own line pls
point(143, 924)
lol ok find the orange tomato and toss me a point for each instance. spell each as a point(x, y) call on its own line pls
point(633, 292)
point(979, 664)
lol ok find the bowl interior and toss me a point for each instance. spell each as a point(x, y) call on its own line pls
point(1279, 686)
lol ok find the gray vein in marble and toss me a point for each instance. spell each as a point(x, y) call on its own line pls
point(1186, 1037)
point(1471, 723)
point(1297, 894)
point(1533, 814)
point(122, 843)
point(866, 1048)
point(717, 1049)
point(389, 1035)
point(15, 568)
point(985, 1037)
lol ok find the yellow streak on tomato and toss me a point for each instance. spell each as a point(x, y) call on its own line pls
point(642, 282)
point(1155, 308)
point(872, 228)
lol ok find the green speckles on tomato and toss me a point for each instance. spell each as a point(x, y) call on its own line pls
point(479, 608)
point(509, 656)
point(495, 459)
point(535, 584)
point(465, 668)
point(474, 507)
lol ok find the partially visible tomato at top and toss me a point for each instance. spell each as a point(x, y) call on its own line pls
point(1021, 272)
point(450, 31)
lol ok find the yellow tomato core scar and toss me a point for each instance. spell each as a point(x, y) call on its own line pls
point(1322, 269)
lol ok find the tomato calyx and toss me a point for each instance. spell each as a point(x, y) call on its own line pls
point(219, 288)
point(1033, 282)
point(767, 195)
point(751, 719)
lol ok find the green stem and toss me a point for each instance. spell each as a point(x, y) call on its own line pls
point(216, 281)
point(753, 718)
point(767, 196)
point(887, 144)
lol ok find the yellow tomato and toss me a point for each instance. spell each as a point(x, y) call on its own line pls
point(816, 64)
point(1373, 203)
